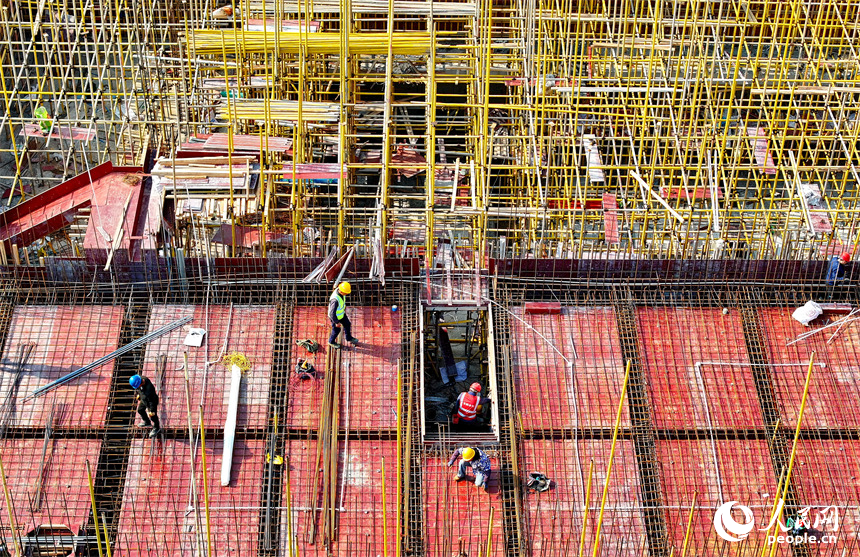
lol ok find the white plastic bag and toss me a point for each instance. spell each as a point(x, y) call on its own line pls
point(807, 312)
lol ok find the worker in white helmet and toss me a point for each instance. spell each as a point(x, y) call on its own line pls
point(337, 315)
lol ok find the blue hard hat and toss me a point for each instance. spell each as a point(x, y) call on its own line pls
point(135, 381)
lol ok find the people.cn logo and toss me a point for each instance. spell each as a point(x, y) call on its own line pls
point(728, 528)
point(800, 528)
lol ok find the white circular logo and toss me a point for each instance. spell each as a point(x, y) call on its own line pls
point(726, 526)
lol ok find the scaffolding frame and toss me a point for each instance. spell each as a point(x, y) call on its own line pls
point(621, 129)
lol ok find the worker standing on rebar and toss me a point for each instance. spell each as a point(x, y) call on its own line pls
point(836, 270)
point(337, 315)
point(147, 405)
point(468, 408)
point(476, 459)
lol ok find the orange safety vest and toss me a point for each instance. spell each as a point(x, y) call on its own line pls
point(468, 406)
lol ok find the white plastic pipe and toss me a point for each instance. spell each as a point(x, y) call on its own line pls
point(230, 425)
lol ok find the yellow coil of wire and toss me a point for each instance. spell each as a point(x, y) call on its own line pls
point(237, 359)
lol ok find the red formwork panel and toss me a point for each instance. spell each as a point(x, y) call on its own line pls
point(361, 523)
point(370, 370)
point(66, 339)
point(459, 517)
point(553, 519)
point(65, 495)
point(833, 388)
point(155, 518)
point(305, 395)
point(248, 329)
point(714, 472)
point(554, 394)
point(543, 307)
point(719, 392)
point(827, 473)
point(368, 394)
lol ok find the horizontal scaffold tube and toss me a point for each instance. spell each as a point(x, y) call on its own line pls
point(207, 41)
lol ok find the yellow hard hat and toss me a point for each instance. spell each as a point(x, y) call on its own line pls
point(469, 453)
point(344, 288)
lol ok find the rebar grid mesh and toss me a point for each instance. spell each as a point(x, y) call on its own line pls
point(662, 461)
point(458, 516)
point(510, 470)
point(63, 338)
point(156, 492)
point(367, 406)
point(707, 435)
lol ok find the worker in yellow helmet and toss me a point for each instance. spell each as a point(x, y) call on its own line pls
point(477, 460)
point(337, 315)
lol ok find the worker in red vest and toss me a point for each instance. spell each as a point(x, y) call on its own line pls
point(468, 408)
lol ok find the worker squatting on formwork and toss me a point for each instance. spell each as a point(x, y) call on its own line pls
point(836, 269)
point(147, 405)
point(476, 459)
point(337, 315)
point(468, 408)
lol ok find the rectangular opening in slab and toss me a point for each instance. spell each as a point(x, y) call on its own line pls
point(458, 376)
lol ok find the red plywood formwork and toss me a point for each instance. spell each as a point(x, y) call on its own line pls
point(715, 472)
point(248, 329)
point(457, 514)
point(552, 394)
point(833, 388)
point(66, 339)
point(720, 391)
point(553, 519)
point(65, 495)
point(368, 371)
point(371, 370)
point(305, 395)
point(827, 472)
point(359, 515)
point(155, 518)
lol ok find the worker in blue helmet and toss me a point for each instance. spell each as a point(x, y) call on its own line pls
point(147, 405)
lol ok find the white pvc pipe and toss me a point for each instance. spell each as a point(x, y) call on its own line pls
point(230, 425)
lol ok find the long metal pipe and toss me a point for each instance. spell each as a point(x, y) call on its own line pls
point(105, 359)
point(611, 458)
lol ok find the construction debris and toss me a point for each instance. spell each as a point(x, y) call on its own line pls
point(538, 482)
point(807, 313)
point(310, 345)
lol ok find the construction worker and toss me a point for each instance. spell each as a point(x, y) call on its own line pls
point(147, 405)
point(468, 407)
point(836, 269)
point(477, 460)
point(337, 315)
point(43, 119)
